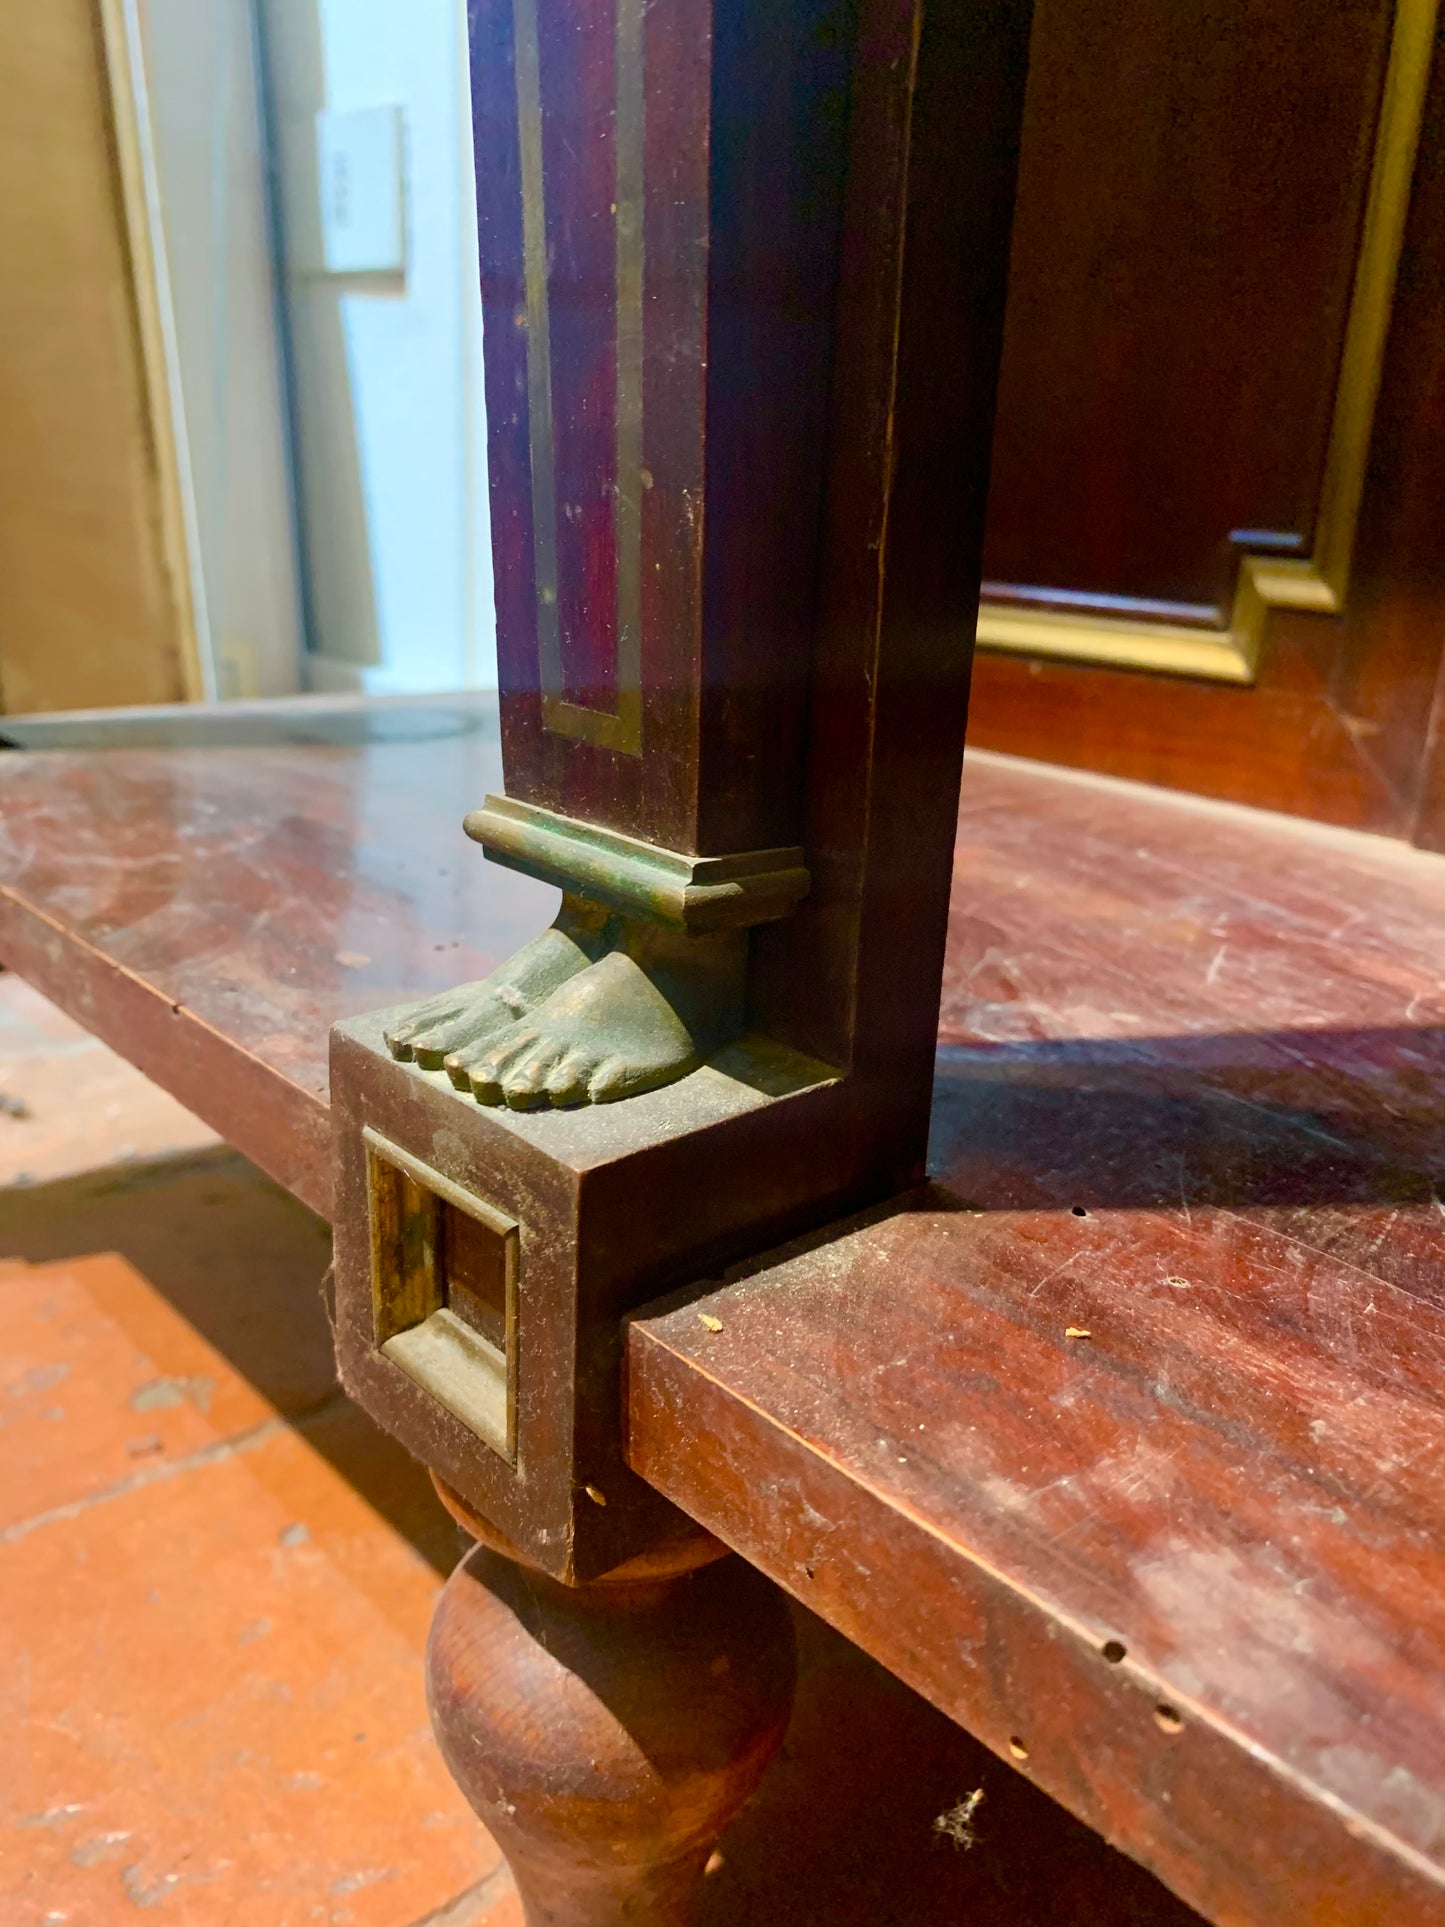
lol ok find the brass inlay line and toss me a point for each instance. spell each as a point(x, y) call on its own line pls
point(627, 135)
point(620, 730)
point(1321, 582)
point(539, 344)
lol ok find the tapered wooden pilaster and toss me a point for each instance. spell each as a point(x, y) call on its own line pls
point(743, 266)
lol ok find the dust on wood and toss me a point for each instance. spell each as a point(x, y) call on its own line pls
point(957, 1823)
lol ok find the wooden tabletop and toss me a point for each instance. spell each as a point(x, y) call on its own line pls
point(211, 911)
point(1124, 1442)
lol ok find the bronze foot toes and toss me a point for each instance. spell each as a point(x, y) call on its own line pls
point(524, 1083)
point(609, 1032)
point(461, 1065)
point(492, 1011)
point(459, 1021)
point(436, 1013)
point(570, 1081)
point(488, 1073)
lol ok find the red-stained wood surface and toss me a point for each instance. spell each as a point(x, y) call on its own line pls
point(1337, 726)
point(1218, 1034)
point(1185, 1566)
point(212, 912)
point(727, 249)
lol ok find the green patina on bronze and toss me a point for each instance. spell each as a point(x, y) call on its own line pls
point(640, 978)
point(695, 894)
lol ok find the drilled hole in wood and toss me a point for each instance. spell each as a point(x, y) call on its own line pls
point(1167, 1719)
point(1080, 1211)
point(1017, 1748)
point(1114, 1651)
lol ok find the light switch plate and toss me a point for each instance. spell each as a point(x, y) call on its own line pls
point(360, 157)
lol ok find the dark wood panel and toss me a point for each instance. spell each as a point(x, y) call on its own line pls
point(1190, 197)
point(1336, 726)
point(1185, 1567)
point(707, 352)
point(851, 977)
point(1284, 745)
point(1396, 646)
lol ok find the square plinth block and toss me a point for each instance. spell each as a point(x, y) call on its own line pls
point(485, 1259)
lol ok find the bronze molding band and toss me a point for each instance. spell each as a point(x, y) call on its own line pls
point(695, 894)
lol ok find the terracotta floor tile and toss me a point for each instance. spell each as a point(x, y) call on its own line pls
point(507, 1912)
point(228, 1250)
point(203, 1708)
point(102, 1382)
point(71, 1104)
point(371, 1464)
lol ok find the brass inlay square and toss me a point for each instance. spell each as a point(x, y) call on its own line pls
point(444, 1277)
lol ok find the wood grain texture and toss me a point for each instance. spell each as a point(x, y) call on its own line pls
point(94, 592)
point(737, 206)
point(1336, 727)
point(1191, 192)
point(852, 976)
point(211, 912)
point(1218, 1034)
point(1184, 1566)
point(606, 1736)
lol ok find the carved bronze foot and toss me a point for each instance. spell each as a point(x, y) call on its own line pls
point(642, 1016)
point(466, 1017)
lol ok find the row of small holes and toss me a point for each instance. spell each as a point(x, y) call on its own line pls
point(1166, 1717)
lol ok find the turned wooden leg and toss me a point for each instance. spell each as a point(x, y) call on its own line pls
point(607, 1734)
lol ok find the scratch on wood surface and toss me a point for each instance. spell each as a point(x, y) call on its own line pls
point(1049, 1276)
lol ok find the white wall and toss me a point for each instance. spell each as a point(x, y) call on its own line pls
point(201, 113)
point(388, 417)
